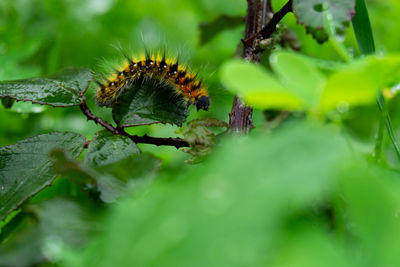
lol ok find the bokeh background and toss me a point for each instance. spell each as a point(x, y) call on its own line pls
point(222, 213)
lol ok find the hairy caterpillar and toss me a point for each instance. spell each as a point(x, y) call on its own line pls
point(157, 67)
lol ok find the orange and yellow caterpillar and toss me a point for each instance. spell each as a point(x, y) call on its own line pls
point(156, 67)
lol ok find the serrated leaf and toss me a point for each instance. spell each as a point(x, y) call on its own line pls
point(149, 101)
point(59, 90)
point(106, 148)
point(316, 14)
point(25, 168)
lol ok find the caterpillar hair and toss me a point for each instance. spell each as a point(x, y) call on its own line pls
point(158, 67)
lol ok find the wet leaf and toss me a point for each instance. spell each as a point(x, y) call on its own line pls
point(106, 148)
point(25, 168)
point(60, 90)
point(112, 180)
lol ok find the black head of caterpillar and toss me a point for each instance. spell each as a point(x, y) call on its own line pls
point(155, 67)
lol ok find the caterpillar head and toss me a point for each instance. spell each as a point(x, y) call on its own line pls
point(202, 102)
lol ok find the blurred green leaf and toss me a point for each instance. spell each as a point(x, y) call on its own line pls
point(106, 148)
point(299, 74)
point(362, 29)
point(58, 224)
point(230, 207)
point(112, 180)
point(358, 82)
point(309, 246)
point(27, 107)
point(25, 168)
point(209, 30)
point(314, 13)
point(149, 101)
point(371, 194)
point(7, 102)
point(258, 87)
point(60, 90)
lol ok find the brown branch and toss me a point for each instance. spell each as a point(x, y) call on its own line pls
point(270, 27)
point(176, 142)
point(145, 139)
point(90, 116)
point(240, 119)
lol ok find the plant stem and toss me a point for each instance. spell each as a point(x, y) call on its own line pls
point(379, 136)
point(176, 142)
point(388, 122)
point(270, 27)
point(240, 119)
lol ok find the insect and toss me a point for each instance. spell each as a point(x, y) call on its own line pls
point(156, 67)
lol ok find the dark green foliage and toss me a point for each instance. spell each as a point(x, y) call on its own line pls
point(316, 184)
point(211, 29)
point(111, 180)
point(25, 168)
point(60, 90)
point(148, 101)
point(106, 148)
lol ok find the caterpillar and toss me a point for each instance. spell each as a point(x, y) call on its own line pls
point(159, 67)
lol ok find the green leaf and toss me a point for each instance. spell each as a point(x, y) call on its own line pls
point(241, 209)
point(112, 180)
point(362, 29)
point(372, 200)
point(63, 89)
point(45, 230)
point(200, 137)
point(25, 168)
point(106, 148)
point(258, 87)
point(208, 30)
point(313, 14)
point(299, 74)
point(149, 101)
point(7, 102)
point(358, 83)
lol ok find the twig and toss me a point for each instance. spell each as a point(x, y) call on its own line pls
point(145, 139)
point(270, 27)
point(240, 119)
point(90, 116)
point(176, 142)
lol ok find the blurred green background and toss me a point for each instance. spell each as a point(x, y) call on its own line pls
point(303, 195)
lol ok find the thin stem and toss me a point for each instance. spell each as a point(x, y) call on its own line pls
point(381, 130)
point(176, 142)
point(90, 116)
point(389, 128)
